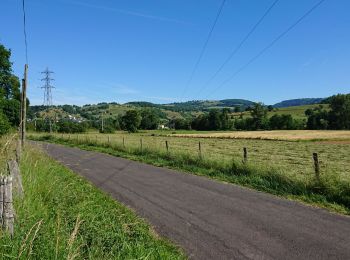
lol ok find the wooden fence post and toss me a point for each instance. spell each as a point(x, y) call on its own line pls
point(245, 155)
point(2, 191)
point(16, 177)
point(167, 146)
point(199, 150)
point(141, 144)
point(317, 166)
point(8, 207)
point(123, 142)
point(18, 152)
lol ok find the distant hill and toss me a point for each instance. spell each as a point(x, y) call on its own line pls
point(195, 105)
point(298, 102)
point(188, 109)
point(206, 105)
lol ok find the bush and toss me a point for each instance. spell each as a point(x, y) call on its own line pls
point(4, 125)
point(131, 121)
point(65, 126)
point(108, 129)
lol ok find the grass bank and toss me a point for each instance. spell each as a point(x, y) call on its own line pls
point(62, 216)
point(329, 192)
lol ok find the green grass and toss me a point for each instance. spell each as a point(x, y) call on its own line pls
point(62, 216)
point(331, 191)
point(293, 159)
point(7, 150)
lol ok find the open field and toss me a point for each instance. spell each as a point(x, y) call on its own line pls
point(283, 135)
point(292, 158)
point(62, 216)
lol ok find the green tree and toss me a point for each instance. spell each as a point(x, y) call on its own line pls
point(109, 126)
point(259, 115)
point(214, 119)
point(180, 123)
point(317, 118)
point(4, 124)
point(226, 123)
point(282, 122)
point(9, 91)
point(5, 71)
point(131, 121)
point(339, 116)
point(150, 119)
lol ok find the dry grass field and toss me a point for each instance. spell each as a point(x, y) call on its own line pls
point(292, 158)
point(285, 135)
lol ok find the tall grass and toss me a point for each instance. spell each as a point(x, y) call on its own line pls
point(64, 217)
point(330, 191)
point(7, 151)
point(292, 158)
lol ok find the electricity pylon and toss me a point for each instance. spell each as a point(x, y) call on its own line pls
point(47, 92)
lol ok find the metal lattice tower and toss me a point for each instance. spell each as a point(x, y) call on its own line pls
point(47, 87)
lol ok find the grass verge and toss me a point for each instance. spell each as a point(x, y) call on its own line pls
point(62, 216)
point(329, 192)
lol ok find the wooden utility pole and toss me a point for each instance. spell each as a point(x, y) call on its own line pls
point(24, 106)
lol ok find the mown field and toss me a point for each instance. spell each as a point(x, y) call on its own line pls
point(62, 216)
point(281, 135)
point(292, 158)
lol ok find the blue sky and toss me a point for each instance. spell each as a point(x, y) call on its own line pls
point(104, 51)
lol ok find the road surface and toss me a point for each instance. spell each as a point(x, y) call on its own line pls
point(210, 219)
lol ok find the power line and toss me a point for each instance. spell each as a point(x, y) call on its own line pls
point(268, 46)
point(239, 46)
point(24, 31)
point(203, 49)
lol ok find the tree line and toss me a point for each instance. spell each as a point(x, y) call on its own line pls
point(131, 121)
point(9, 93)
point(336, 116)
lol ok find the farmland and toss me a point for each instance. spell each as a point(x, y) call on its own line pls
point(282, 135)
point(293, 158)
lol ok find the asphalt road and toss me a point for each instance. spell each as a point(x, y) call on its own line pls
point(210, 219)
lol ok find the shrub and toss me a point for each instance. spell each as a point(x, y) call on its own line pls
point(4, 125)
